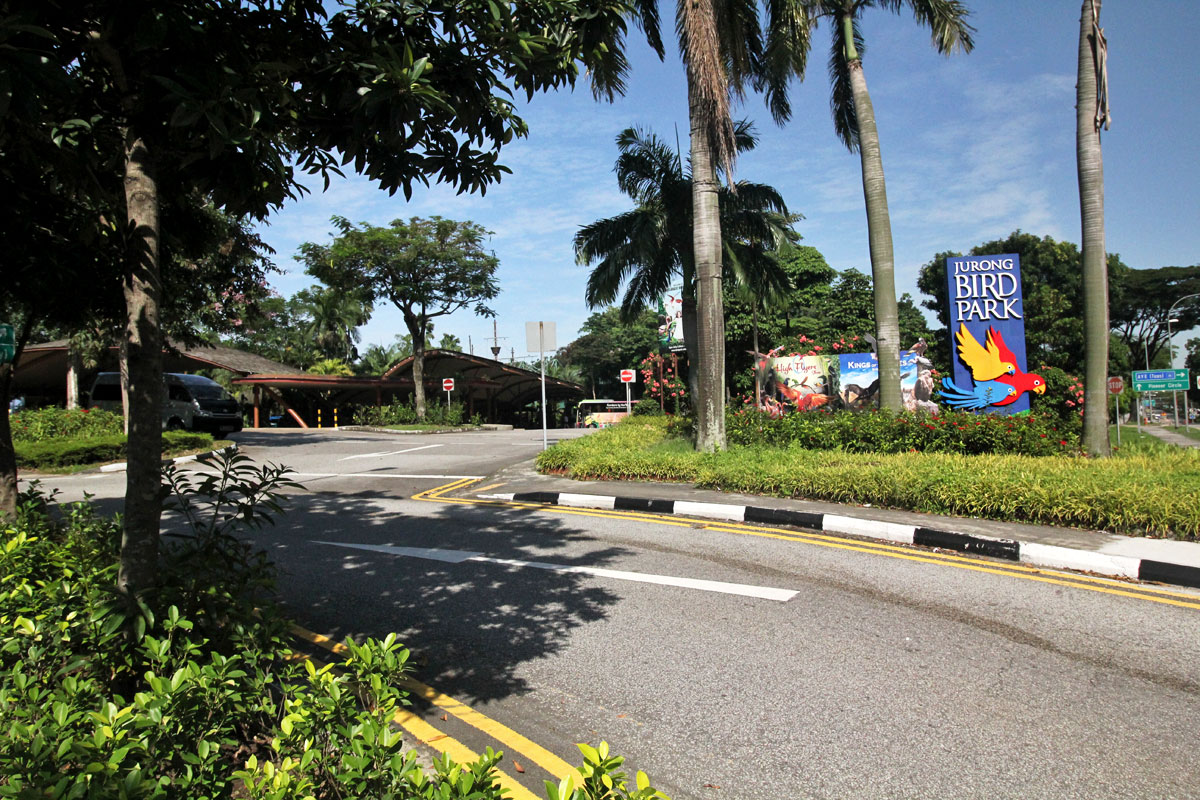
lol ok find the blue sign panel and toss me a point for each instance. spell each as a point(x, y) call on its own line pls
point(987, 335)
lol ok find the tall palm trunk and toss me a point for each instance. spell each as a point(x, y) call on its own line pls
point(879, 231)
point(142, 286)
point(691, 330)
point(1090, 163)
point(706, 247)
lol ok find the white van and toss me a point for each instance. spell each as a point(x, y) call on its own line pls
point(190, 402)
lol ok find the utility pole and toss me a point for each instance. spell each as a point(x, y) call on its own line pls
point(495, 340)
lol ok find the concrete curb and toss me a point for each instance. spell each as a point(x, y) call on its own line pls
point(181, 460)
point(373, 429)
point(1032, 553)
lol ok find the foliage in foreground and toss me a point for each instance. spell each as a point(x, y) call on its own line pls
point(191, 690)
point(1138, 493)
point(58, 453)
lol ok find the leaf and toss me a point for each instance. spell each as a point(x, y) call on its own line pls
point(517, 766)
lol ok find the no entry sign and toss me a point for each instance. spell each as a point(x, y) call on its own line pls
point(1116, 384)
point(628, 376)
point(448, 384)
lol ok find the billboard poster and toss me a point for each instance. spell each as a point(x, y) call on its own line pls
point(987, 336)
point(797, 383)
point(670, 319)
point(858, 381)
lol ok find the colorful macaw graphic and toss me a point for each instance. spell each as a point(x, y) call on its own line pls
point(996, 375)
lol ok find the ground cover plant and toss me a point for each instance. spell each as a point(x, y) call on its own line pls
point(404, 415)
point(191, 690)
point(1138, 493)
point(60, 453)
point(50, 423)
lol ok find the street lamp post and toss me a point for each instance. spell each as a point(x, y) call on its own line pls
point(1171, 353)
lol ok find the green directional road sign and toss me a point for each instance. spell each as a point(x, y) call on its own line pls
point(8, 345)
point(1160, 380)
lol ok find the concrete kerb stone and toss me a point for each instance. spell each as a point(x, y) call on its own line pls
point(1031, 553)
point(232, 448)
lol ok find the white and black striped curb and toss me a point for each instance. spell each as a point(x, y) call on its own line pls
point(1040, 555)
point(181, 460)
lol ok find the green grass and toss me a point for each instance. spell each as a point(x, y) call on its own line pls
point(426, 427)
point(1147, 489)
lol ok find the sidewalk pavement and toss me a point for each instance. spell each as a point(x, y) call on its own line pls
point(1170, 436)
point(1096, 552)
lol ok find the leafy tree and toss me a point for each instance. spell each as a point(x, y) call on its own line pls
point(427, 268)
point(333, 319)
point(450, 342)
point(608, 345)
point(1091, 112)
point(267, 92)
point(330, 366)
point(377, 359)
point(1052, 288)
point(647, 248)
point(1140, 301)
point(854, 121)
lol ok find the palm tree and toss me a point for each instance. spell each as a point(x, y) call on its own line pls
point(854, 121)
point(724, 49)
point(646, 248)
point(333, 320)
point(1091, 110)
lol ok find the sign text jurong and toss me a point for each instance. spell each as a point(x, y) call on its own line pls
point(986, 288)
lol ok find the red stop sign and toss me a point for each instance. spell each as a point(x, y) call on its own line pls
point(628, 376)
point(1116, 384)
point(448, 384)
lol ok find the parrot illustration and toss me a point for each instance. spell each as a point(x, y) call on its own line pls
point(1023, 382)
point(985, 363)
point(982, 395)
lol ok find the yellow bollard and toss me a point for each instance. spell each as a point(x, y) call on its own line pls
point(318, 417)
point(335, 417)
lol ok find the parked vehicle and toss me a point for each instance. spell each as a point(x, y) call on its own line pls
point(190, 402)
point(600, 413)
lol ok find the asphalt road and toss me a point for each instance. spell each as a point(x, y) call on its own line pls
point(799, 669)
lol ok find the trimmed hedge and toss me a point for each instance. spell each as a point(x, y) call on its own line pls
point(1137, 493)
point(885, 432)
point(59, 453)
point(78, 423)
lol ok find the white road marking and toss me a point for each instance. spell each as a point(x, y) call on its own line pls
point(459, 556)
point(390, 452)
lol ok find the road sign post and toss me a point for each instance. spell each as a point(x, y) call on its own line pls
point(539, 336)
point(448, 387)
point(628, 377)
point(1116, 385)
point(1160, 380)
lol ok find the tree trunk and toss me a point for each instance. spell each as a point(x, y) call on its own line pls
point(143, 345)
point(8, 456)
point(74, 370)
point(710, 317)
point(1090, 163)
point(416, 327)
point(691, 343)
point(879, 234)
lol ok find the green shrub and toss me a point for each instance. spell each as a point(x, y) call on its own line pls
point(59, 453)
point(54, 423)
point(885, 432)
point(406, 414)
point(103, 696)
point(1134, 493)
point(647, 407)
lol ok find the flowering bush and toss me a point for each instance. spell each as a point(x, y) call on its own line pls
point(884, 432)
point(54, 423)
point(1063, 398)
point(660, 376)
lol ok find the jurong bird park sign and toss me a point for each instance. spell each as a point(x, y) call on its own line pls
point(987, 330)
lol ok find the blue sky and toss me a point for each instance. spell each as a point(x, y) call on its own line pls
point(974, 147)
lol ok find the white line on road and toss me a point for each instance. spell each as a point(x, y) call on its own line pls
point(390, 452)
point(459, 556)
